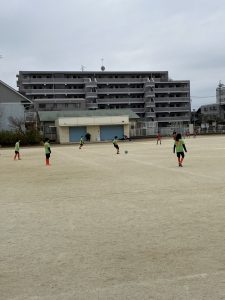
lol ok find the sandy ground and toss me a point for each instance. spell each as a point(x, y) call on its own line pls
point(96, 225)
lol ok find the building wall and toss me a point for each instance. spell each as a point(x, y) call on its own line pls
point(90, 121)
point(220, 94)
point(152, 95)
point(12, 104)
point(94, 132)
point(63, 135)
point(93, 125)
point(127, 130)
point(15, 110)
point(7, 95)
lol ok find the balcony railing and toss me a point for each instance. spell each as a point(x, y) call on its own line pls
point(120, 80)
point(91, 84)
point(149, 94)
point(172, 90)
point(120, 91)
point(171, 99)
point(173, 119)
point(172, 109)
point(149, 104)
point(120, 100)
point(91, 95)
point(150, 114)
point(52, 81)
point(150, 84)
point(92, 105)
point(53, 91)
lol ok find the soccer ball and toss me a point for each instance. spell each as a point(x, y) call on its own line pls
point(125, 151)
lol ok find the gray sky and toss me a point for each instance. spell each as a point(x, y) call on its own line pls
point(184, 37)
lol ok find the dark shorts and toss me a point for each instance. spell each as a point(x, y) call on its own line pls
point(116, 146)
point(16, 152)
point(179, 154)
point(47, 155)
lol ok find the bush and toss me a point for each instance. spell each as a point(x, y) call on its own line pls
point(30, 137)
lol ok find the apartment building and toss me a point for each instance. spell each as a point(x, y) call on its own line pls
point(220, 94)
point(152, 95)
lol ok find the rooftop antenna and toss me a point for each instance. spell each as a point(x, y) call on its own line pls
point(82, 68)
point(102, 67)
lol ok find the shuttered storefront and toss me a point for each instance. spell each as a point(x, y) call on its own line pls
point(109, 132)
point(75, 133)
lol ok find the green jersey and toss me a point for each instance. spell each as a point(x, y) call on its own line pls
point(47, 148)
point(115, 143)
point(81, 141)
point(179, 146)
point(17, 146)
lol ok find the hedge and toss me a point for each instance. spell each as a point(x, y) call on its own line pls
point(9, 138)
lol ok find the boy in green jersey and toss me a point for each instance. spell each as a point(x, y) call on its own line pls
point(115, 144)
point(47, 151)
point(179, 146)
point(81, 142)
point(17, 150)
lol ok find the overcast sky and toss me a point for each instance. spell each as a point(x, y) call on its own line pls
point(187, 38)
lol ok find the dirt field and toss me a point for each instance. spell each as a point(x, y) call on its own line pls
point(101, 226)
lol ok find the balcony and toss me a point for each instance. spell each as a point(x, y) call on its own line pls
point(172, 90)
point(91, 105)
point(30, 117)
point(150, 84)
point(150, 115)
point(120, 100)
point(53, 91)
point(91, 95)
point(91, 84)
point(173, 119)
point(172, 109)
point(120, 91)
point(52, 81)
point(171, 99)
point(149, 104)
point(149, 94)
point(120, 80)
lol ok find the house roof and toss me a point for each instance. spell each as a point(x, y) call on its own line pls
point(23, 98)
point(51, 116)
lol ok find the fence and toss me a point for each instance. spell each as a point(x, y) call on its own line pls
point(143, 129)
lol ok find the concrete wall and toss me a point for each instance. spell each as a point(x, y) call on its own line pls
point(91, 121)
point(92, 124)
point(63, 135)
point(127, 130)
point(94, 132)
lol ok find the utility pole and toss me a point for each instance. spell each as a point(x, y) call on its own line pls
point(194, 118)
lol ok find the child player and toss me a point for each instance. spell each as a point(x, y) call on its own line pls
point(17, 150)
point(179, 146)
point(115, 144)
point(47, 151)
point(81, 142)
point(159, 138)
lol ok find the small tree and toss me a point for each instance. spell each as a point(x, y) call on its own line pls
point(17, 124)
